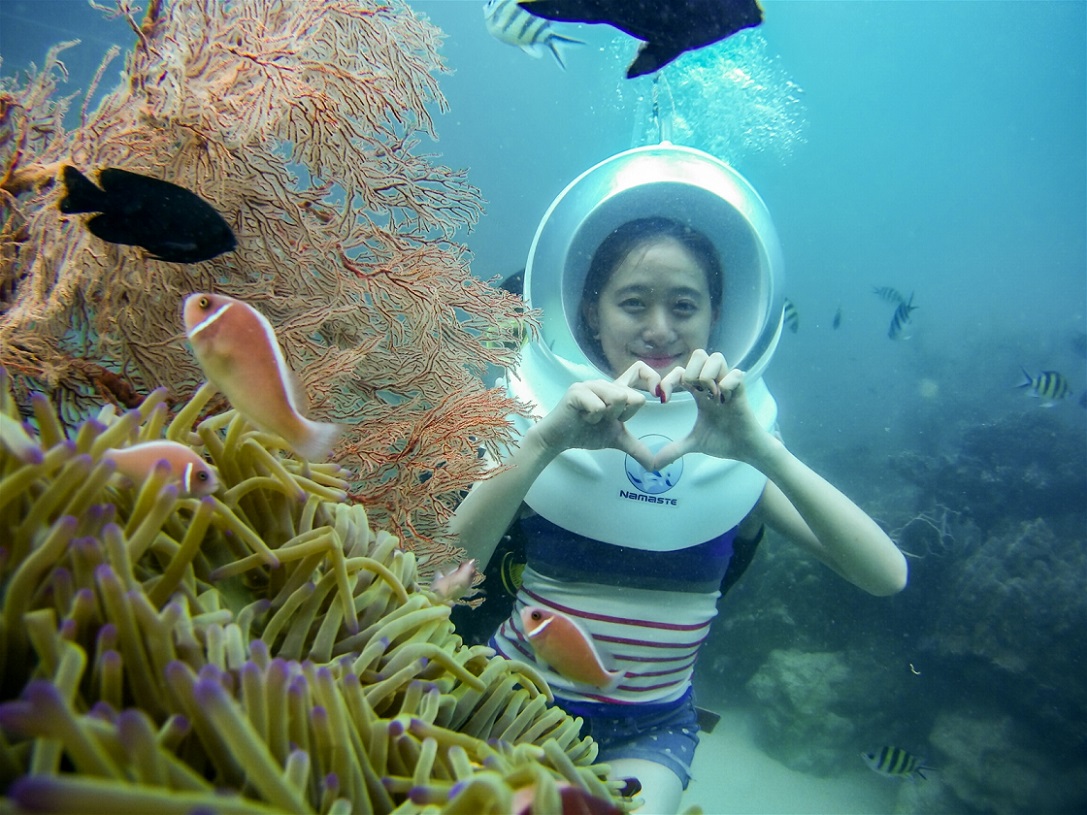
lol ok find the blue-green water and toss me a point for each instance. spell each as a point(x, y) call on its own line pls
point(936, 147)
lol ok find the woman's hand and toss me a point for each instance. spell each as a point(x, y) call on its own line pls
point(726, 426)
point(591, 414)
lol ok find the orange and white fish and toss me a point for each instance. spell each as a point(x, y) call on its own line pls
point(455, 582)
point(192, 474)
point(238, 351)
point(564, 645)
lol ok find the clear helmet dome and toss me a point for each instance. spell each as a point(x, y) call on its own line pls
point(604, 494)
point(684, 185)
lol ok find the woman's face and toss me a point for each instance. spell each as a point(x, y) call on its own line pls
point(655, 308)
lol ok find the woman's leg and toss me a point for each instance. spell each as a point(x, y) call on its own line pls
point(661, 788)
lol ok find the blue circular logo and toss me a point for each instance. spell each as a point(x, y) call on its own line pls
point(654, 482)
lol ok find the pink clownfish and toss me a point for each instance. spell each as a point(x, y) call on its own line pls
point(455, 582)
point(238, 351)
point(192, 474)
point(566, 647)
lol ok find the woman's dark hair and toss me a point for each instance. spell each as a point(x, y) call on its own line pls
point(628, 237)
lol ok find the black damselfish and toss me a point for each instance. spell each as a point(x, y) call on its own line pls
point(667, 27)
point(170, 222)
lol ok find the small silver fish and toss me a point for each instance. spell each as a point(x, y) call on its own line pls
point(509, 23)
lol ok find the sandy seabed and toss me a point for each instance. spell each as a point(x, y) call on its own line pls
point(731, 775)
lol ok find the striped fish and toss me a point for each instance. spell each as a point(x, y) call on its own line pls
point(901, 319)
point(792, 316)
point(889, 294)
point(508, 22)
point(895, 762)
point(1048, 385)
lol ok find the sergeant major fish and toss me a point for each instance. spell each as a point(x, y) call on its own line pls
point(666, 27)
point(564, 645)
point(891, 295)
point(901, 319)
point(509, 23)
point(791, 316)
point(171, 222)
point(895, 762)
point(1049, 386)
point(238, 352)
point(190, 472)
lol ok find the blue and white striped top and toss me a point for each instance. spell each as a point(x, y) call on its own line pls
point(648, 611)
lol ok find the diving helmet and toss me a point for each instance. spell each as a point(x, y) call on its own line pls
point(704, 193)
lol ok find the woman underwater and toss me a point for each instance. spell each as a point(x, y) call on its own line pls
point(651, 307)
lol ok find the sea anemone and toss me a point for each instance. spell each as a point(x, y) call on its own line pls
point(256, 650)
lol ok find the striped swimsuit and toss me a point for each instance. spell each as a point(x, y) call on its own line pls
point(648, 611)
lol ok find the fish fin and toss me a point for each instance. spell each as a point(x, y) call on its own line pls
point(556, 42)
point(82, 194)
point(319, 440)
point(615, 677)
point(1027, 380)
point(295, 389)
point(535, 50)
point(652, 57)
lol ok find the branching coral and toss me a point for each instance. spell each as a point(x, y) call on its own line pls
point(258, 650)
point(939, 533)
point(300, 121)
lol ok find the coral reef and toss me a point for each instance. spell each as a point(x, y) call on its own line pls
point(256, 650)
point(991, 630)
point(1023, 466)
point(301, 122)
point(1014, 615)
point(990, 765)
point(797, 693)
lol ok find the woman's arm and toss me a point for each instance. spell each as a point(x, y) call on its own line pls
point(494, 503)
point(804, 507)
point(590, 416)
point(797, 502)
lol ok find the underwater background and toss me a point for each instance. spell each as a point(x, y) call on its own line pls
point(939, 148)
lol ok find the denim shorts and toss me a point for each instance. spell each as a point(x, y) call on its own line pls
point(665, 734)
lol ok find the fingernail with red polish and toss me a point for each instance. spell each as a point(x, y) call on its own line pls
point(660, 394)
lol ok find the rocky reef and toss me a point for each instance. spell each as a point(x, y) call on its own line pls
point(260, 649)
point(977, 666)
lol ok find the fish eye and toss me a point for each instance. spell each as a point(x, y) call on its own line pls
point(535, 615)
point(202, 475)
point(204, 302)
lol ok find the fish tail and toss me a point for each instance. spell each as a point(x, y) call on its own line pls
point(557, 43)
point(614, 678)
point(82, 194)
point(318, 440)
point(1028, 380)
point(556, 52)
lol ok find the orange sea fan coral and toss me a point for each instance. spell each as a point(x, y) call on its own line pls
point(301, 122)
